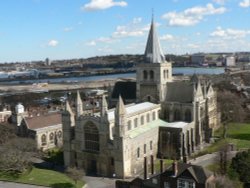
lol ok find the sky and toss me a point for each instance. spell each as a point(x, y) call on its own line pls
point(66, 29)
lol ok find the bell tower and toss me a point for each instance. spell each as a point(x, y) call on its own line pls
point(153, 74)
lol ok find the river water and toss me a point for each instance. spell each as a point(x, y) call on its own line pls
point(176, 70)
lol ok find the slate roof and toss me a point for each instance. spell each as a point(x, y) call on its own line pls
point(153, 52)
point(179, 92)
point(42, 121)
point(199, 174)
point(126, 89)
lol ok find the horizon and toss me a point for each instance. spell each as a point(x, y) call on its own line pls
point(62, 30)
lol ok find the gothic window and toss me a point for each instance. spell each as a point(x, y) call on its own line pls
point(129, 125)
point(138, 152)
point(91, 134)
point(167, 73)
point(154, 116)
point(43, 140)
point(148, 118)
point(145, 75)
point(151, 145)
point(188, 115)
point(51, 137)
point(59, 134)
point(135, 122)
point(145, 148)
point(151, 73)
point(177, 115)
point(142, 120)
point(201, 112)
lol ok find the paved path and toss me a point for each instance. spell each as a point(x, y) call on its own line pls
point(98, 182)
point(17, 185)
point(208, 159)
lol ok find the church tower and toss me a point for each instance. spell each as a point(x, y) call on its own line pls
point(154, 73)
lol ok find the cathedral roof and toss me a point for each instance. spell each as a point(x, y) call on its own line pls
point(153, 52)
point(133, 108)
point(180, 92)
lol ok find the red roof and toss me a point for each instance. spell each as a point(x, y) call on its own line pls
point(37, 122)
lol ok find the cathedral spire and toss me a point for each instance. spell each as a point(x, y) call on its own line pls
point(104, 106)
point(68, 108)
point(79, 105)
point(153, 52)
point(120, 107)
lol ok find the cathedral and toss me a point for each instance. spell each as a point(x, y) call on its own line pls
point(166, 119)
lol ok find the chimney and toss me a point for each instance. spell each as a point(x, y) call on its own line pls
point(175, 168)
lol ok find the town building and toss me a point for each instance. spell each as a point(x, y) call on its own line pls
point(45, 129)
point(167, 118)
point(180, 175)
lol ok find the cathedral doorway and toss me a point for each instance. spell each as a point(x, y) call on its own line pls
point(92, 168)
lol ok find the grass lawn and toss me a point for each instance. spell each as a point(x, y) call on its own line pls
point(166, 164)
point(237, 133)
point(44, 177)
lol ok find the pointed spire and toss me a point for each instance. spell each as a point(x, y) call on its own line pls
point(120, 107)
point(79, 105)
point(153, 52)
point(68, 108)
point(104, 106)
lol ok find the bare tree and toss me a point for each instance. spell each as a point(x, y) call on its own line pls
point(75, 173)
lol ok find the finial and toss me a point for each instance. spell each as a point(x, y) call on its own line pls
point(152, 14)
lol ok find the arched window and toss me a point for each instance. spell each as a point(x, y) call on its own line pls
point(51, 137)
point(135, 122)
point(148, 118)
point(43, 139)
point(142, 120)
point(177, 115)
point(129, 125)
point(145, 75)
point(59, 134)
point(154, 116)
point(188, 115)
point(149, 98)
point(91, 134)
point(138, 152)
point(151, 73)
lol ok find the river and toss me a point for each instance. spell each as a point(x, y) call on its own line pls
point(176, 70)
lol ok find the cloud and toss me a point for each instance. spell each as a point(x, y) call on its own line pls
point(220, 2)
point(102, 4)
point(244, 4)
point(137, 20)
point(68, 29)
point(167, 37)
point(192, 16)
point(91, 43)
point(229, 33)
point(53, 43)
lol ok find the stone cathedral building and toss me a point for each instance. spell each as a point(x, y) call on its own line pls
point(168, 119)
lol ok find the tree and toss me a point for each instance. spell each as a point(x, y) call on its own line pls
point(15, 153)
point(241, 164)
point(75, 173)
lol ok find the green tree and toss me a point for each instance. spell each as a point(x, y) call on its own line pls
point(241, 164)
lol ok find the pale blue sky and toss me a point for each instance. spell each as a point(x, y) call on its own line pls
point(65, 29)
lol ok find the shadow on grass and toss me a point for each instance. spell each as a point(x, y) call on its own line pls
point(62, 185)
point(240, 136)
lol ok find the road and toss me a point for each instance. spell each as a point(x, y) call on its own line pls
point(17, 185)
